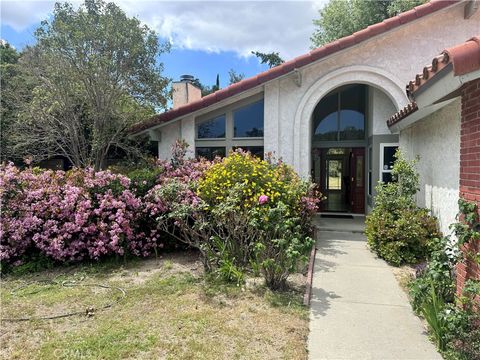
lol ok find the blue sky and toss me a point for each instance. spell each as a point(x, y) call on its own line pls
point(208, 37)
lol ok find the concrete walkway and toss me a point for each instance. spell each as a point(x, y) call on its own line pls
point(358, 310)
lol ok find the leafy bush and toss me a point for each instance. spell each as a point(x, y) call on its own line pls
point(397, 230)
point(282, 243)
point(453, 321)
point(438, 272)
point(260, 211)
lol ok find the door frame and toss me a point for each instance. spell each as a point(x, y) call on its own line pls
point(319, 154)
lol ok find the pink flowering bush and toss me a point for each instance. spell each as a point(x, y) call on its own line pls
point(69, 216)
point(237, 212)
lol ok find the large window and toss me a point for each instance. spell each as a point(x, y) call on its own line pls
point(340, 116)
point(212, 129)
point(248, 120)
point(237, 126)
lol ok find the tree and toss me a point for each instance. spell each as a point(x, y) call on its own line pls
point(207, 90)
point(8, 69)
point(271, 59)
point(341, 18)
point(235, 77)
point(96, 73)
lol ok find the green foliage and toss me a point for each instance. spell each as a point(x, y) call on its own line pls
point(403, 237)
point(282, 243)
point(341, 18)
point(455, 327)
point(144, 179)
point(271, 59)
point(431, 309)
point(206, 89)
point(244, 215)
point(235, 77)
point(397, 230)
point(8, 70)
point(94, 73)
point(226, 269)
point(437, 273)
point(467, 229)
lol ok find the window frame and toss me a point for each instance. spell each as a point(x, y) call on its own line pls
point(230, 141)
point(382, 154)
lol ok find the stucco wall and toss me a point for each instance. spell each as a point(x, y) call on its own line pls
point(170, 133)
point(387, 63)
point(436, 139)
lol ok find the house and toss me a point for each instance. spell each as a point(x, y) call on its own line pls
point(442, 125)
point(325, 112)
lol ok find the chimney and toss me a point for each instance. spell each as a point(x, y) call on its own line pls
point(184, 91)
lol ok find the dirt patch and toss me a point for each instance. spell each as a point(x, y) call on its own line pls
point(404, 275)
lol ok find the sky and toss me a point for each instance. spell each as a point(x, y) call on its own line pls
point(207, 37)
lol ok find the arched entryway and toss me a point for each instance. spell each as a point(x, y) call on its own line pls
point(384, 95)
point(339, 140)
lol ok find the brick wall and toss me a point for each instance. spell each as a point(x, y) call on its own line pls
point(470, 169)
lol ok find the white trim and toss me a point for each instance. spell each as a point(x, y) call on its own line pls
point(382, 148)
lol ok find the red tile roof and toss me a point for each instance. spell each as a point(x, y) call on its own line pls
point(314, 55)
point(463, 58)
point(406, 111)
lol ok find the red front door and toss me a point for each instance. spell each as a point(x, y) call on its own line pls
point(357, 180)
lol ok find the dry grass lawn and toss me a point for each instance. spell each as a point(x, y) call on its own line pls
point(169, 312)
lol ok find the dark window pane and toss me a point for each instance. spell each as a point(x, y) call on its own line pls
point(254, 150)
point(210, 152)
point(212, 129)
point(352, 114)
point(248, 121)
point(386, 177)
point(389, 157)
point(325, 118)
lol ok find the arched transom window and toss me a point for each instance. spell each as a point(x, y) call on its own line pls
point(340, 115)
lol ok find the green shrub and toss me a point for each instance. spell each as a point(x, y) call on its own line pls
point(437, 273)
point(144, 179)
point(244, 215)
point(397, 230)
point(281, 245)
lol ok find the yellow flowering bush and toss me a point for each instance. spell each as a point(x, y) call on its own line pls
point(274, 182)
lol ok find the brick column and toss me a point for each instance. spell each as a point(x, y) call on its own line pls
point(470, 169)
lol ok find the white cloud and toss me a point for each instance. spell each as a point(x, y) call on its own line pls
point(239, 26)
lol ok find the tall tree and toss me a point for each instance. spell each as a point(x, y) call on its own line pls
point(206, 89)
point(8, 69)
point(235, 77)
point(271, 59)
point(341, 18)
point(96, 73)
